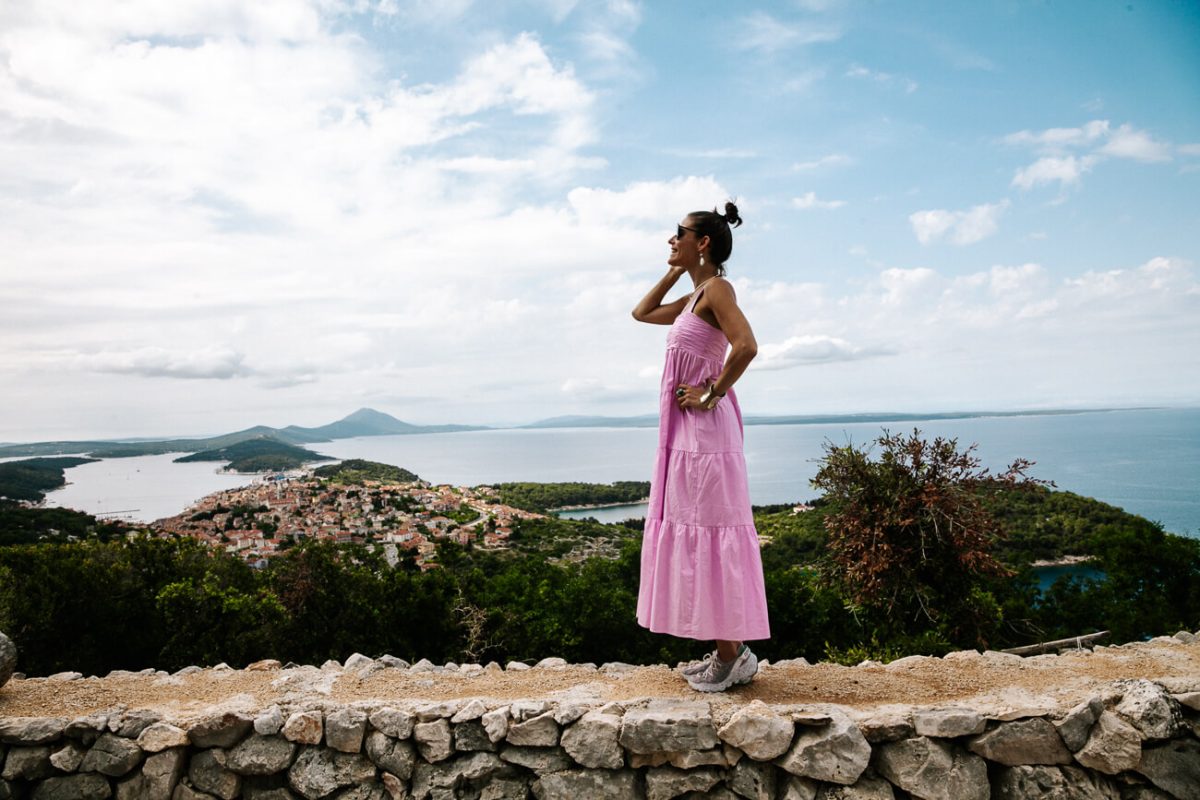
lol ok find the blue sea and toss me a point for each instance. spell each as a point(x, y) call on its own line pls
point(1146, 461)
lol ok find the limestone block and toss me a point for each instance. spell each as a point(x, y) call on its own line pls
point(434, 740)
point(1150, 709)
point(131, 724)
point(758, 732)
point(111, 755)
point(304, 727)
point(553, 662)
point(318, 772)
point(475, 767)
point(886, 727)
point(345, 728)
point(1188, 699)
point(431, 712)
point(161, 736)
point(393, 662)
point(539, 731)
point(495, 722)
point(1113, 746)
point(73, 787)
point(397, 789)
point(948, 723)
point(933, 770)
point(1027, 741)
point(592, 784)
point(1051, 783)
point(261, 755)
point(364, 791)
point(265, 665)
point(668, 726)
point(1173, 767)
point(395, 756)
point(31, 730)
point(208, 773)
point(269, 722)
point(505, 789)
point(87, 728)
point(868, 787)
point(66, 758)
point(473, 710)
point(472, 737)
point(542, 760)
point(797, 788)
point(27, 763)
point(220, 730)
point(394, 722)
point(835, 753)
point(664, 783)
point(1077, 724)
point(566, 713)
point(522, 710)
point(252, 792)
point(752, 780)
point(161, 773)
point(185, 792)
point(593, 741)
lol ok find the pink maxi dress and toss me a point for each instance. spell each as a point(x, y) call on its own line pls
point(701, 575)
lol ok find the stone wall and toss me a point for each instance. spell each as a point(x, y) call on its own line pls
point(1134, 741)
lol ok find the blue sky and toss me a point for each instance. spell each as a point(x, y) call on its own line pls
point(217, 214)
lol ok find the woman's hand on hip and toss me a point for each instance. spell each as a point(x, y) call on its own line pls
point(689, 396)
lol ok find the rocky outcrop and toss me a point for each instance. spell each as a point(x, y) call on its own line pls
point(1133, 740)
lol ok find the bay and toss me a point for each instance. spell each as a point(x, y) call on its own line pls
point(1146, 461)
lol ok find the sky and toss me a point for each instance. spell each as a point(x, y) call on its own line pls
point(215, 214)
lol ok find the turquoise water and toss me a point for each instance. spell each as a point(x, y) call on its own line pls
point(1145, 461)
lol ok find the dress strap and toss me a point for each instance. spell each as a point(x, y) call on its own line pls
point(699, 290)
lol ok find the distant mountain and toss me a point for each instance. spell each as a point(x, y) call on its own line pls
point(364, 422)
point(263, 454)
point(369, 422)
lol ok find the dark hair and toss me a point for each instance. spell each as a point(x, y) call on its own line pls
point(717, 228)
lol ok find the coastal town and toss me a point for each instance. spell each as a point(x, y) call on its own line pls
point(266, 518)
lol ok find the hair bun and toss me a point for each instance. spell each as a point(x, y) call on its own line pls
point(731, 215)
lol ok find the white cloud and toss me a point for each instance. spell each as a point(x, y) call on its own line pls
point(1095, 141)
point(809, 349)
point(882, 78)
point(1126, 142)
point(809, 201)
point(1066, 171)
point(962, 227)
point(220, 363)
point(761, 31)
point(646, 201)
point(831, 160)
point(1190, 149)
point(1057, 138)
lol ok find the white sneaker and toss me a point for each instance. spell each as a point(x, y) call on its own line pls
point(720, 675)
point(696, 667)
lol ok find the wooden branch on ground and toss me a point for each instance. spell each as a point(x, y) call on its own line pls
point(1086, 640)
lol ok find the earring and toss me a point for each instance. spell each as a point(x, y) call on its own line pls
point(702, 259)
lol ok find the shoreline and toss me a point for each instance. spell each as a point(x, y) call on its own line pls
point(590, 506)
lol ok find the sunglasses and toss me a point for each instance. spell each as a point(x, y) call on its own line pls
point(681, 229)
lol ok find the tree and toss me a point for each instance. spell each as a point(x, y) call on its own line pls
point(910, 537)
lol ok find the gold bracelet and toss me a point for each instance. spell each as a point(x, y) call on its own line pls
point(709, 400)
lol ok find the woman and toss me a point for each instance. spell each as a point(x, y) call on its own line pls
point(701, 571)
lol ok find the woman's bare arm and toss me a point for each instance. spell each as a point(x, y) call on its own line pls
point(650, 309)
point(721, 301)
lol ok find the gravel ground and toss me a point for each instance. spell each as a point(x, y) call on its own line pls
point(991, 683)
